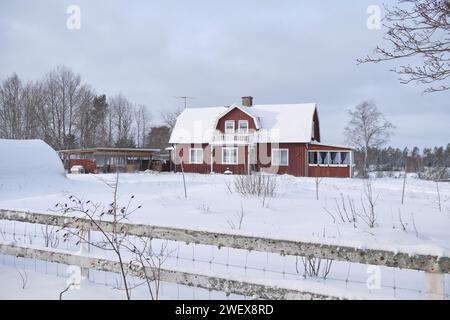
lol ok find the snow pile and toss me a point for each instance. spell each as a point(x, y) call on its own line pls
point(29, 163)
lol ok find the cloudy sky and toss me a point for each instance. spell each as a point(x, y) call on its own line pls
point(217, 51)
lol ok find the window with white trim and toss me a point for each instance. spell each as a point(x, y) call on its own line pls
point(229, 155)
point(229, 126)
point(280, 157)
point(335, 158)
point(345, 158)
point(329, 158)
point(196, 156)
point(313, 160)
point(243, 126)
point(324, 157)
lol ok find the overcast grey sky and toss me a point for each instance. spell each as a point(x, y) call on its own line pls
point(217, 51)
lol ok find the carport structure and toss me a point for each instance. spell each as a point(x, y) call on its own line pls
point(111, 159)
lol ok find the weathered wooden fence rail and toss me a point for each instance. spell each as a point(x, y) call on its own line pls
point(209, 282)
point(427, 263)
point(435, 267)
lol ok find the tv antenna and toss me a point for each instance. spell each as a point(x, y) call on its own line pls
point(185, 98)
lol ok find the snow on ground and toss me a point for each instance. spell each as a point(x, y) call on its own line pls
point(293, 214)
point(39, 286)
point(47, 287)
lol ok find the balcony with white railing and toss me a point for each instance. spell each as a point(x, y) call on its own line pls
point(233, 138)
point(252, 137)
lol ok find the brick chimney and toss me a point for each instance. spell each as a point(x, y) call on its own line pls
point(247, 101)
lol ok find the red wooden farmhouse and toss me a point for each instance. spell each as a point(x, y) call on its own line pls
point(241, 139)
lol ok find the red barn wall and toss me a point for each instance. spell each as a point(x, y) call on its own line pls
point(331, 172)
point(182, 154)
point(298, 161)
point(240, 168)
point(328, 171)
point(296, 155)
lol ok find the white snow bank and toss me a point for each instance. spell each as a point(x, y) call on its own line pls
point(28, 165)
point(25, 157)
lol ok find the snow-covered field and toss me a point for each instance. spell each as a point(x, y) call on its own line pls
point(294, 213)
point(417, 226)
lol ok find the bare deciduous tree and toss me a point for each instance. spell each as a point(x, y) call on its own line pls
point(170, 117)
point(11, 115)
point(112, 241)
point(66, 113)
point(145, 261)
point(418, 32)
point(367, 128)
point(142, 120)
point(122, 120)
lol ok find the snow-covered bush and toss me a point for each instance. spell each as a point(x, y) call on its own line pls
point(434, 173)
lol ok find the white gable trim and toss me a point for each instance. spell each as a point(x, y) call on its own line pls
point(232, 107)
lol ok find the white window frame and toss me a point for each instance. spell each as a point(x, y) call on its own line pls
point(223, 155)
point(317, 158)
point(229, 121)
point(329, 159)
point(349, 157)
point(279, 150)
point(239, 126)
point(197, 161)
point(338, 155)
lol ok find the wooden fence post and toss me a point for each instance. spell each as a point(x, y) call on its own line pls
point(434, 286)
point(85, 238)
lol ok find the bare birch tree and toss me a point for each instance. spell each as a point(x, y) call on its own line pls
point(10, 107)
point(142, 121)
point(366, 129)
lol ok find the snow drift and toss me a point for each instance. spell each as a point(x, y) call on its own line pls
point(29, 165)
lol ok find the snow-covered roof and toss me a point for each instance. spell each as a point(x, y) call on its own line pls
point(243, 109)
point(330, 145)
point(277, 123)
point(196, 125)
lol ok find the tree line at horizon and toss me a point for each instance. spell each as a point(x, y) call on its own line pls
point(396, 159)
point(67, 113)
